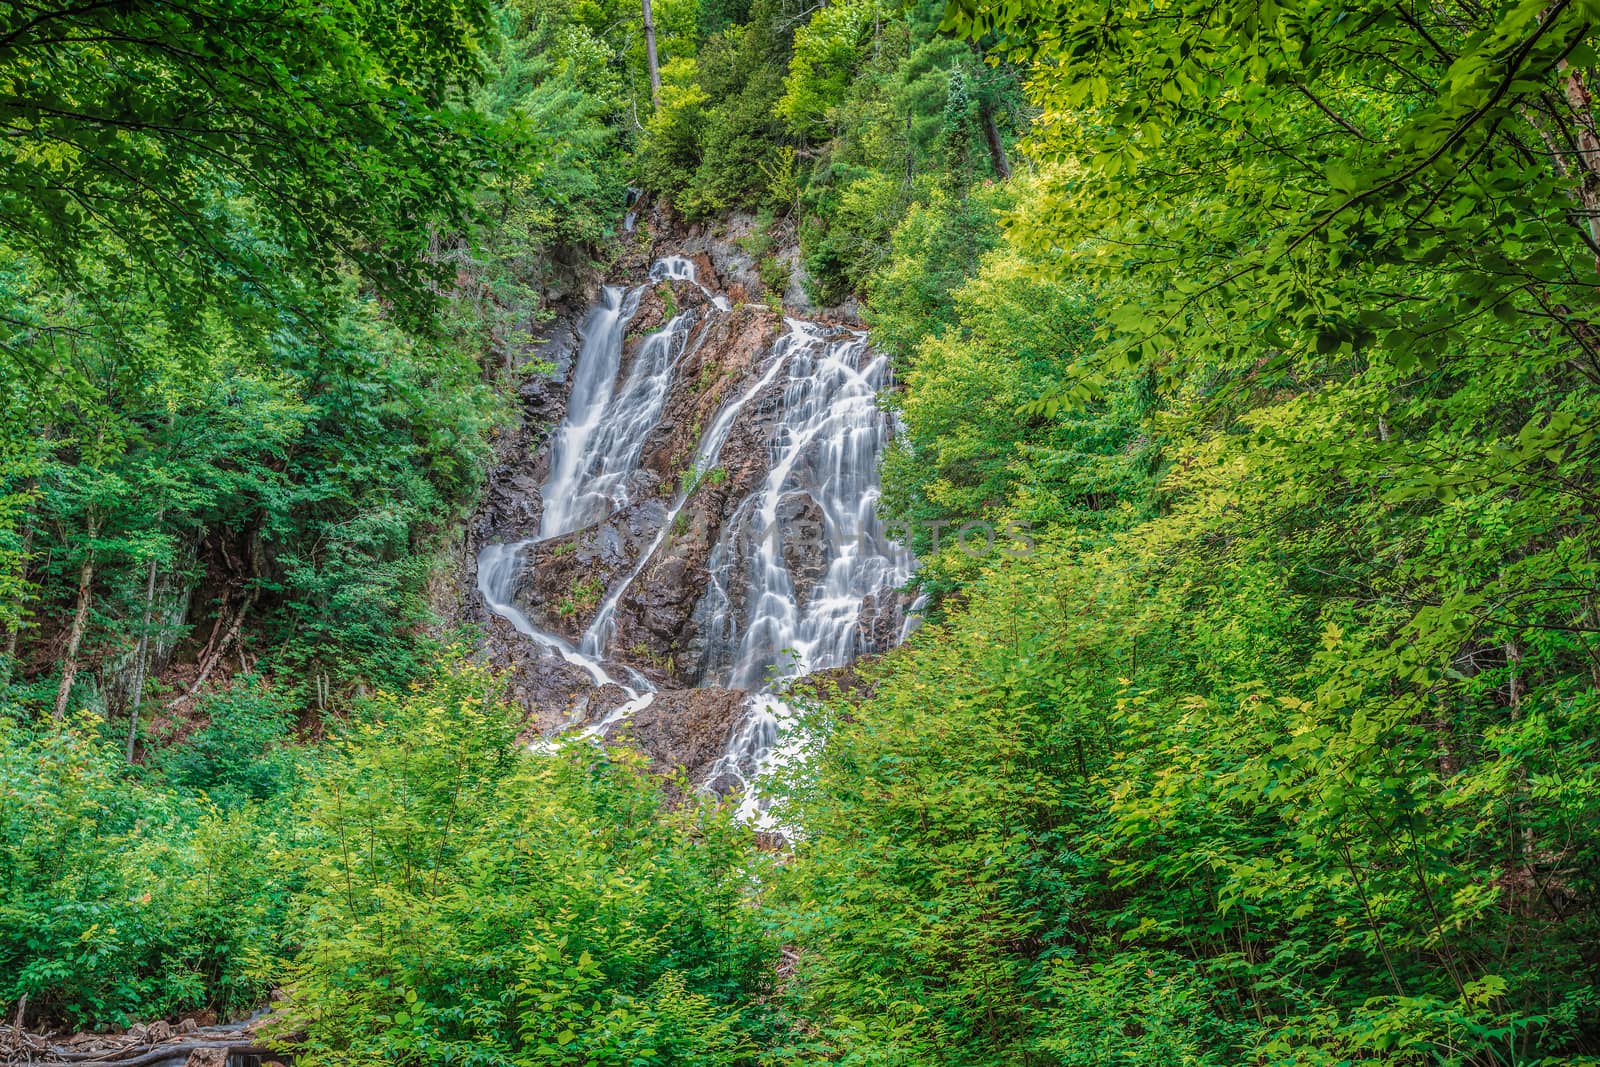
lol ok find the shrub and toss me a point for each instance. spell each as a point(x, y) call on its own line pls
point(470, 902)
point(119, 901)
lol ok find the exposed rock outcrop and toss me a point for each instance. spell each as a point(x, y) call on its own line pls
point(565, 578)
point(684, 729)
point(882, 617)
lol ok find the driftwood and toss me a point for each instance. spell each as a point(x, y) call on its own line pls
point(139, 1048)
point(19, 1046)
point(157, 1053)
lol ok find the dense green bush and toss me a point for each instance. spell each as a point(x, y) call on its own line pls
point(121, 900)
point(290, 435)
point(435, 893)
point(669, 153)
point(1276, 748)
point(933, 250)
point(990, 345)
point(468, 902)
point(1270, 741)
point(241, 752)
point(716, 142)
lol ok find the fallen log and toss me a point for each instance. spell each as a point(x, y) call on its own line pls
point(146, 1054)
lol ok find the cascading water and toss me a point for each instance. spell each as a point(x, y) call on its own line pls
point(598, 445)
point(497, 582)
point(591, 457)
point(598, 635)
point(797, 559)
point(824, 458)
point(824, 464)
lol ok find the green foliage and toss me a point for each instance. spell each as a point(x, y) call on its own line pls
point(1278, 748)
point(740, 72)
point(1282, 762)
point(670, 151)
point(843, 252)
point(840, 112)
point(234, 141)
point(934, 249)
point(314, 470)
point(241, 752)
point(1107, 755)
point(1272, 742)
point(553, 89)
point(284, 421)
point(121, 901)
point(1007, 333)
point(262, 270)
point(669, 301)
point(434, 891)
point(581, 599)
point(719, 15)
point(827, 51)
point(882, 79)
point(470, 902)
point(1442, 171)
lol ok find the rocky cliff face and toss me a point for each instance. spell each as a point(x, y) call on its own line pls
point(664, 472)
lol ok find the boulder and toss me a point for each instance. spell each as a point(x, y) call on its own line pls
point(564, 580)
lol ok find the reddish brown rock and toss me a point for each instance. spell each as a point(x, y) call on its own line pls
point(684, 729)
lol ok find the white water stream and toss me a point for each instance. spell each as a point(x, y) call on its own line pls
point(761, 622)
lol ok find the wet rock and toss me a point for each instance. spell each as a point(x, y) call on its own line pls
point(684, 729)
point(771, 841)
point(591, 705)
point(554, 693)
point(845, 684)
point(730, 249)
point(659, 303)
point(879, 623)
point(705, 271)
point(563, 581)
point(720, 359)
point(725, 784)
point(511, 509)
point(802, 527)
point(654, 619)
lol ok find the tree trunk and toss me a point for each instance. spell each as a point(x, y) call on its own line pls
point(650, 55)
point(1588, 138)
point(997, 148)
point(911, 154)
point(14, 631)
point(80, 620)
point(141, 661)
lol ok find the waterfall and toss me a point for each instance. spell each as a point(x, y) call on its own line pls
point(598, 444)
point(598, 635)
point(798, 557)
point(497, 582)
point(821, 487)
point(824, 458)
